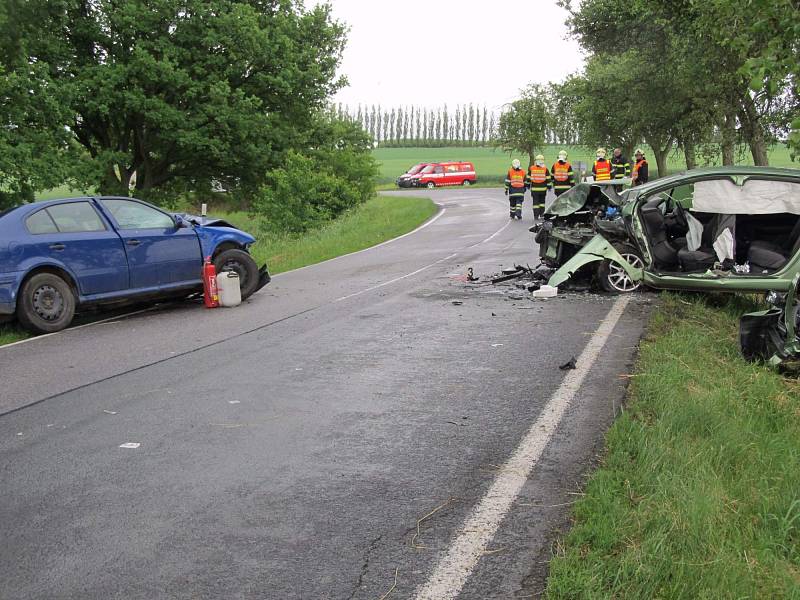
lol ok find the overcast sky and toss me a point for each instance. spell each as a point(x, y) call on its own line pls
point(432, 52)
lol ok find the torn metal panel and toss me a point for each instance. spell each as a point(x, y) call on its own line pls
point(597, 249)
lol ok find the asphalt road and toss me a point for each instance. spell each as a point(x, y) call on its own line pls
point(327, 439)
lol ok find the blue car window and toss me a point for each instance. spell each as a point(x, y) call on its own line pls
point(75, 217)
point(40, 222)
point(133, 215)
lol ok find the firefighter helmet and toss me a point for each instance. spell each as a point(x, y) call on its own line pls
point(639, 151)
point(515, 163)
point(601, 153)
point(562, 156)
point(539, 157)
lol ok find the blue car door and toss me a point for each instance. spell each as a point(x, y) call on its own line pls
point(160, 254)
point(75, 235)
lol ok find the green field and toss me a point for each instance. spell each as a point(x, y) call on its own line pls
point(698, 495)
point(378, 220)
point(491, 164)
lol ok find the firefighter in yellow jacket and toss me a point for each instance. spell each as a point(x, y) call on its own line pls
point(515, 189)
point(601, 169)
point(538, 181)
point(563, 175)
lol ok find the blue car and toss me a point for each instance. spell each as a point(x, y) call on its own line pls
point(60, 255)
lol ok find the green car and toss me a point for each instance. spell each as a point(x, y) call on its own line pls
point(733, 229)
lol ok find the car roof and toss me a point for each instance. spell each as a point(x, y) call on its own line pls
point(32, 207)
point(741, 170)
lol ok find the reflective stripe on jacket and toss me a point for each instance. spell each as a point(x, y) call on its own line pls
point(563, 176)
point(601, 170)
point(515, 182)
point(539, 178)
point(620, 167)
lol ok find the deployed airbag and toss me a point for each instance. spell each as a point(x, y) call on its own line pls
point(755, 197)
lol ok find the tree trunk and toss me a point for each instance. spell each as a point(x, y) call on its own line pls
point(754, 131)
point(690, 154)
point(728, 138)
point(661, 150)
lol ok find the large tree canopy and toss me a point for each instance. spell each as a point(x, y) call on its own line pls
point(725, 65)
point(182, 93)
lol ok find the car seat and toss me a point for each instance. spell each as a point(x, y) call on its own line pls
point(705, 256)
point(769, 256)
point(664, 254)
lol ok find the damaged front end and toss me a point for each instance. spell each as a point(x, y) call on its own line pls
point(598, 249)
point(772, 336)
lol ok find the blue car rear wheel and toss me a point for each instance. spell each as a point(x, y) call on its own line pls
point(45, 304)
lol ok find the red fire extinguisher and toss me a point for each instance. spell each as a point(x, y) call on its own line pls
point(210, 292)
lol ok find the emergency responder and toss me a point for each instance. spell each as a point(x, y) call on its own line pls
point(515, 189)
point(620, 167)
point(539, 181)
point(563, 177)
point(601, 169)
point(640, 173)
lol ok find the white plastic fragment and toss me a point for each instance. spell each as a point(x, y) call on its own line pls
point(130, 445)
point(109, 412)
point(234, 401)
point(546, 291)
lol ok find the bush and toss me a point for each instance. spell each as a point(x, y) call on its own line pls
point(303, 194)
point(336, 174)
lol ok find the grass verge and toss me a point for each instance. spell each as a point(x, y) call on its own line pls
point(379, 219)
point(699, 493)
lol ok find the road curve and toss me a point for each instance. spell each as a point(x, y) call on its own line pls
point(327, 437)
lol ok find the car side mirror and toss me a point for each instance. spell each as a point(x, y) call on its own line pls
point(180, 222)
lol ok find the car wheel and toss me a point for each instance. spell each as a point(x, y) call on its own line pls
point(243, 265)
point(613, 278)
point(466, 183)
point(430, 185)
point(46, 304)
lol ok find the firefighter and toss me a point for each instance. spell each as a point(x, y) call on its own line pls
point(601, 169)
point(563, 177)
point(515, 189)
point(538, 180)
point(640, 173)
point(620, 167)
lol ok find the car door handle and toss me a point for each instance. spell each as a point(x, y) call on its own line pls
point(57, 247)
point(133, 242)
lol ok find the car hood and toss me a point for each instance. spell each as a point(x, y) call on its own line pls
point(575, 199)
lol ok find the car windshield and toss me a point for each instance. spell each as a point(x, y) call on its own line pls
point(428, 169)
point(415, 169)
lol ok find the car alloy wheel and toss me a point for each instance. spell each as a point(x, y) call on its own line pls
point(619, 279)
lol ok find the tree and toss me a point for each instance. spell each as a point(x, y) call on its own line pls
point(522, 125)
point(182, 93)
point(34, 146)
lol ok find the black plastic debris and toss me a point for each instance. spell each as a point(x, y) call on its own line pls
point(761, 336)
point(471, 275)
point(570, 364)
point(457, 302)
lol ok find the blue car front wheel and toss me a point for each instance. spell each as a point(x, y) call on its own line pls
point(45, 304)
point(243, 265)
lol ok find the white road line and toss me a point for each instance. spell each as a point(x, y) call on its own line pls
point(451, 572)
point(396, 279)
point(47, 335)
point(400, 237)
point(425, 268)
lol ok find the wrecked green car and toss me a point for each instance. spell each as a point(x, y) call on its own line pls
point(734, 229)
point(571, 222)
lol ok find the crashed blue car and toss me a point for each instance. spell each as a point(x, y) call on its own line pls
point(64, 255)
